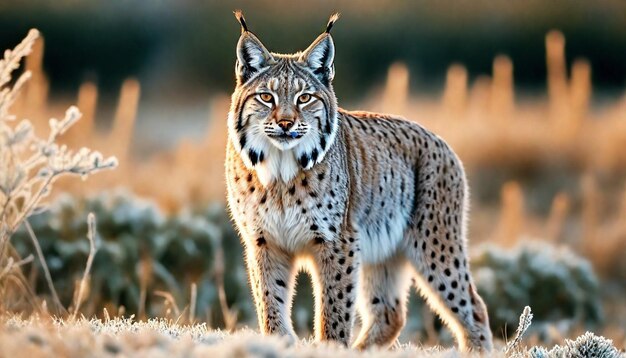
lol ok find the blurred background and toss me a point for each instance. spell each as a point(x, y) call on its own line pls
point(532, 96)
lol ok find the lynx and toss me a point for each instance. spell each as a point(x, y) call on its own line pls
point(369, 204)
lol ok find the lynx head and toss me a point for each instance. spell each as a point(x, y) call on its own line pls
point(283, 113)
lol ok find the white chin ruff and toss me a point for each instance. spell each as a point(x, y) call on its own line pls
point(282, 163)
point(278, 165)
point(283, 146)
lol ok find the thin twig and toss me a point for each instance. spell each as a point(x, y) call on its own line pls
point(11, 264)
point(192, 302)
point(169, 299)
point(141, 311)
point(91, 235)
point(28, 294)
point(145, 274)
point(230, 315)
point(3, 212)
point(181, 315)
point(30, 206)
point(46, 271)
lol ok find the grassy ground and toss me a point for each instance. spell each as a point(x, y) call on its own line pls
point(124, 337)
point(38, 337)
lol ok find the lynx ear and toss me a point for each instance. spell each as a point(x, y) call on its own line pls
point(321, 54)
point(252, 56)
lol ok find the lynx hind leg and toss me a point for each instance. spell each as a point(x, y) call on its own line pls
point(436, 246)
point(382, 302)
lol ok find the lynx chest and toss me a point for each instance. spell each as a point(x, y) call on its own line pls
point(308, 209)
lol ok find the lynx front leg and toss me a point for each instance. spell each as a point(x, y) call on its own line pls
point(270, 272)
point(335, 285)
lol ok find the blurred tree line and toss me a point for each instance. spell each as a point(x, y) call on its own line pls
point(186, 47)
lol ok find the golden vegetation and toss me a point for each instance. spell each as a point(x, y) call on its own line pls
point(482, 119)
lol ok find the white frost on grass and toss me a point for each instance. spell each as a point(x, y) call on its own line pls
point(45, 337)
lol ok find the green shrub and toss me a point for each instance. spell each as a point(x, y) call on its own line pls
point(558, 284)
point(138, 244)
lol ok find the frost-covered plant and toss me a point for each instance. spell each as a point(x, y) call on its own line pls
point(586, 346)
point(142, 251)
point(559, 285)
point(29, 165)
point(525, 320)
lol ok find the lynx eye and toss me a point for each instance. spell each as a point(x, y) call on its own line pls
point(266, 97)
point(304, 98)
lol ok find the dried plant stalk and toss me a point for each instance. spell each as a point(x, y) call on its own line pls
point(556, 219)
point(502, 93)
point(395, 97)
point(91, 236)
point(512, 214)
point(125, 116)
point(192, 303)
point(455, 93)
point(557, 75)
point(44, 265)
point(84, 131)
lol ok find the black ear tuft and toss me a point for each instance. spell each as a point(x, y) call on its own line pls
point(252, 56)
point(319, 56)
point(241, 19)
point(333, 18)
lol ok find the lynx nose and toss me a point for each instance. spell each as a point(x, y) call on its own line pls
point(285, 124)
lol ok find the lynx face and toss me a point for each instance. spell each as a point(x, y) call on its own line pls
point(284, 112)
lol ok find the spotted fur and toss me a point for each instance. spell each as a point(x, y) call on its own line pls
point(366, 201)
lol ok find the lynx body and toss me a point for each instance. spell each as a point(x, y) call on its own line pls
point(369, 203)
